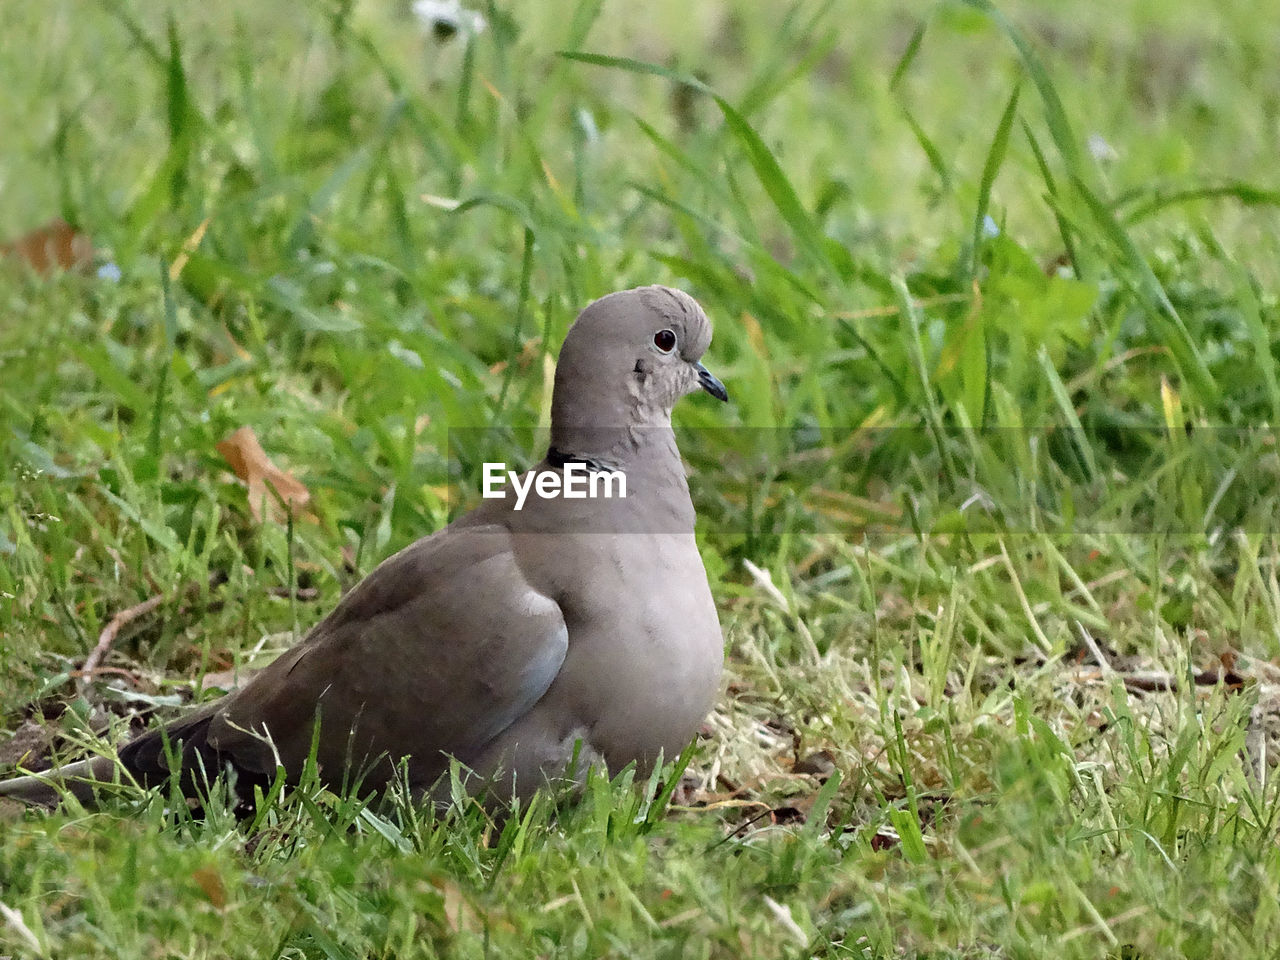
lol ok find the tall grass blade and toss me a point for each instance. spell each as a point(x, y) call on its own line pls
point(990, 169)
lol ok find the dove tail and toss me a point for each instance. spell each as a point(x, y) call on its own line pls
point(145, 759)
point(185, 739)
point(48, 787)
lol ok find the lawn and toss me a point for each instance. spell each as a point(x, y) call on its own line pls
point(989, 519)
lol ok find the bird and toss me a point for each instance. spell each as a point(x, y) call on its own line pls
point(525, 644)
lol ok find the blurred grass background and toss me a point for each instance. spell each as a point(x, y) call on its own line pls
point(999, 589)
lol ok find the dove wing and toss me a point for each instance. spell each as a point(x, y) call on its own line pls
point(433, 655)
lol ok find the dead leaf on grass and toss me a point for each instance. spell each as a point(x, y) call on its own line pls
point(208, 880)
point(55, 246)
point(250, 462)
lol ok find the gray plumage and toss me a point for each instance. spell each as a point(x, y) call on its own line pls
point(511, 638)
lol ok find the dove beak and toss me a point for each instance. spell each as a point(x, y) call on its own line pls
point(710, 383)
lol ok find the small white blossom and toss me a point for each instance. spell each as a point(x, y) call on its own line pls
point(989, 227)
point(447, 18)
point(1100, 150)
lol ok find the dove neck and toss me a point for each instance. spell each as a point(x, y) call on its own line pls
point(611, 448)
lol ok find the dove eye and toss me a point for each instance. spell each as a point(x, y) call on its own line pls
point(665, 340)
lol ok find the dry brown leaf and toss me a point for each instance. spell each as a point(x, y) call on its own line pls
point(252, 465)
point(208, 880)
point(55, 246)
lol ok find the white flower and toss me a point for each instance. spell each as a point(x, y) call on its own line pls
point(1100, 150)
point(989, 226)
point(447, 18)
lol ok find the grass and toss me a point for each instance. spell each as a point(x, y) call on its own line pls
point(989, 521)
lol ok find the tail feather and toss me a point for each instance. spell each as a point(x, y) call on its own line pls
point(147, 756)
point(47, 788)
point(145, 759)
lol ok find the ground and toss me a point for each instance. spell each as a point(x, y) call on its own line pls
point(988, 521)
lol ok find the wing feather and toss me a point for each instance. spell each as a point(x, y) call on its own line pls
point(433, 655)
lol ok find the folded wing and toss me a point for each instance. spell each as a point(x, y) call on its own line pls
point(433, 655)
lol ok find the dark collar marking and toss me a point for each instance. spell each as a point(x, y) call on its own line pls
point(558, 459)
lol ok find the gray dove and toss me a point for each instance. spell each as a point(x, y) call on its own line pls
point(518, 641)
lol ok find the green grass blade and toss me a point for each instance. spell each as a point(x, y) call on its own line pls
point(990, 169)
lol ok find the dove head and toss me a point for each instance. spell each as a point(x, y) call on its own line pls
point(625, 362)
